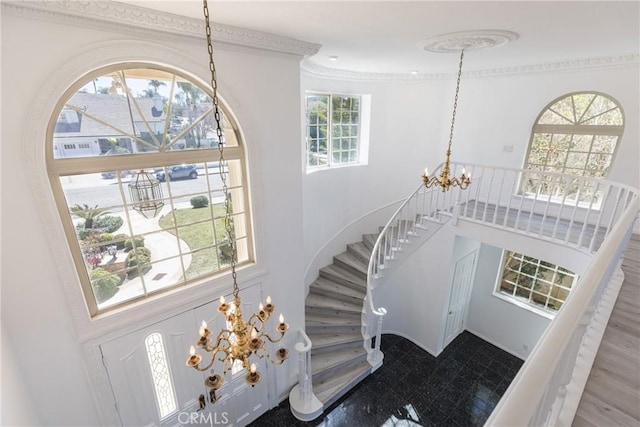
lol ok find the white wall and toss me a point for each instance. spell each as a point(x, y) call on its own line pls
point(410, 129)
point(498, 111)
point(500, 322)
point(262, 89)
point(415, 292)
point(17, 408)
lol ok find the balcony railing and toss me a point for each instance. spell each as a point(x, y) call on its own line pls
point(593, 215)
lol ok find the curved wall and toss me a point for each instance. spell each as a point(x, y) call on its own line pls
point(410, 123)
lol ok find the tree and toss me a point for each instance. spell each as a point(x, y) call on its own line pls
point(192, 103)
point(155, 84)
point(87, 213)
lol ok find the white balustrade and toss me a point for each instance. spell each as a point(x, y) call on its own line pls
point(593, 215)
point(304, 404)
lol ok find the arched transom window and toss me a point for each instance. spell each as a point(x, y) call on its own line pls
point(577, 135)
point(133, 161)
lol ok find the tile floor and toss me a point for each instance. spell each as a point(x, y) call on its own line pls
point(458, 388)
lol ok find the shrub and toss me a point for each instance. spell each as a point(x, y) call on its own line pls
point(104, 284)
point(120, 240)
point(225, 253)
point(139, 262)
point(107, 223)
point(86, 233)
point(129, 243)
point(199, 202)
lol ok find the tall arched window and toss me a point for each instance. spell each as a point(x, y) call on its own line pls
point(133, 163)
point(576, 134)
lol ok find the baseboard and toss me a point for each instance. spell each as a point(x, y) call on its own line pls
point(425, 348)
point(501, 347)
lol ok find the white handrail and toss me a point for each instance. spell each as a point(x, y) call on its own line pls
point(304, 404)
point(591, 214)
point(521, 401)
point(393, 235)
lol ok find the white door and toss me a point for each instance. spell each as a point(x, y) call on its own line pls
point(146, 369)
point(460, 291)
point(153, 386)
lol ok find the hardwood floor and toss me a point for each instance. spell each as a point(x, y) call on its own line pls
point(612, 395)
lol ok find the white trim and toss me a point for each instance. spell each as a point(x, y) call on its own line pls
point(91, 332)
point(345, 238)
point(311, 68)
point(115, 16)
point(501, 347)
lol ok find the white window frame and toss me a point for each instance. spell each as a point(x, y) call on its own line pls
point(62, 167)
point(573, 131)
point(526, 302)
point(362, 148)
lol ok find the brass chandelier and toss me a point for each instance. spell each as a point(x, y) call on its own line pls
point(444, 180)
point(241, 340)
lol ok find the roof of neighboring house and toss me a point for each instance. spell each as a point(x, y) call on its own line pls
point(112, 109)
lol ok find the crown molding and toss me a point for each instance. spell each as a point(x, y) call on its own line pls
point(311, 68)
point(116, 16)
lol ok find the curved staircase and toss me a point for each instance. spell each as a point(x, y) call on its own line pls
point(333, 322)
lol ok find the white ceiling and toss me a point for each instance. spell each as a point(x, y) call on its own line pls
point(383, 36)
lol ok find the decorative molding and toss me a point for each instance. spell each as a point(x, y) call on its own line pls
point(313, 69)
point(114, 16)
point(467, 40)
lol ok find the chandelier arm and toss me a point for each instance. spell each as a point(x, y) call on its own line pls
point(267, 336)
point(274, 362)
point(222, 336)
point(256, 317)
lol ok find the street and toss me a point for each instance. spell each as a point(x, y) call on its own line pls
point(92, 189)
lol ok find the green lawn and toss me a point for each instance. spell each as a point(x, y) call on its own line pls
point(194, 227)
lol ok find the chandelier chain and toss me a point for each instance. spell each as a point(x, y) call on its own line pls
point(455, 101)
point(225, 189)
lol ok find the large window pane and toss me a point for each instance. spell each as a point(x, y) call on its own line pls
point(577, 135)
point(130, 240)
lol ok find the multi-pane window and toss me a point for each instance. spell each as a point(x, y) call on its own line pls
point(333, 129)
point(576, 135)
point(138, 183)
point(535, 282)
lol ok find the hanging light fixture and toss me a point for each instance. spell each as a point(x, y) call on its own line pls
point(146, 194)
point(242, 341)
point(444, 180)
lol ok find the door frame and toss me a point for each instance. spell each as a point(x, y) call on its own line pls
point(475, 253)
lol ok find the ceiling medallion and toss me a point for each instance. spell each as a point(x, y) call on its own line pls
point(467, 41)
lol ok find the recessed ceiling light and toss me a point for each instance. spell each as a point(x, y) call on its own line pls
point(414, 72)
point(333, 58)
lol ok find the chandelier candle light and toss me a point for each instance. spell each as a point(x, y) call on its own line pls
point(242, 339)
point(444, 180)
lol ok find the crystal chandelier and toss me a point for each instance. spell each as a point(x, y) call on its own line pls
point(444, 180)
point(241, 340)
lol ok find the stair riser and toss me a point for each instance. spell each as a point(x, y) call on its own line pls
point(335, 347)
point(345, 389)
point(350, 268)
point(318, 377)
point(337, 295)
point(336, 312)
point(328, 329)
point(359, 286)
point(364, 257)
point(369, 242)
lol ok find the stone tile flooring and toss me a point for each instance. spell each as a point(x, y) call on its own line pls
point(458, 388)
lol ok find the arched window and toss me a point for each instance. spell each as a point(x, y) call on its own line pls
point(133, 163)
point(576, 134)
